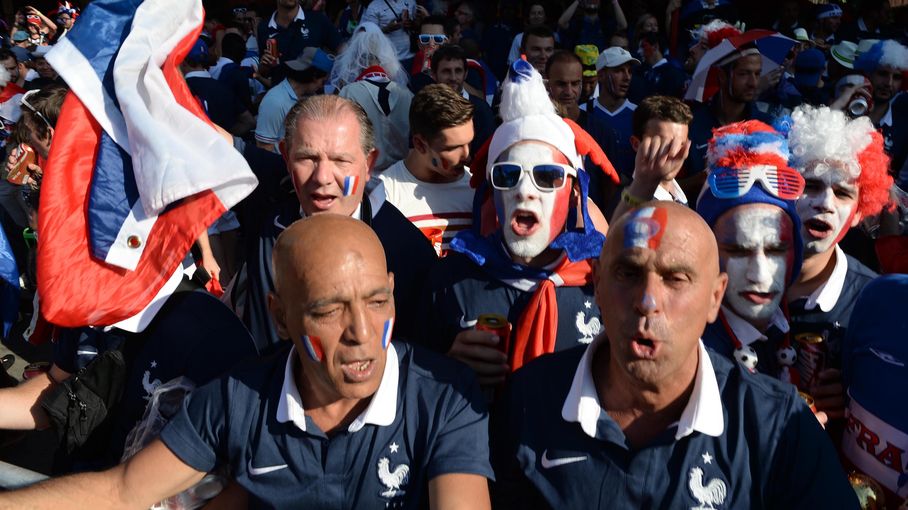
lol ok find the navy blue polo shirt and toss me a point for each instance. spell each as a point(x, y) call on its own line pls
point(461, 291)
point(701, 131)
point(828, 310)
point(193, 335)
point(427, 419)
point(310, 28)
point(220, 103)
point(743, 441)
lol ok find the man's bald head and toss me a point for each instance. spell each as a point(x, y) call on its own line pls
point(657, 285)
point(681, 222)
point(318, 244)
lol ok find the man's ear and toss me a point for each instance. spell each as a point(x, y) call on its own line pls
point(371, 158)
point(856, 219)
point(278, 315)
point(716, 296)
point(391, 281)
point(282, 147)
point(635, 142)
point(420, 144)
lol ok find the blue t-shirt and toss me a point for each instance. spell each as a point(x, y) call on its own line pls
point(771, 453)
point(461, 291)
point(440, 427)
point(193, 335)
point(613, 131)
point(269, 126)
point(310, 28)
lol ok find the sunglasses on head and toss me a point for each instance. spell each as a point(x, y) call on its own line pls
point(25, 103)
point(436, 38)
point(783, 183)
point(546, 176)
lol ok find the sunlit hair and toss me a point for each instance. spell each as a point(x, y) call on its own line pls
point(822, 135)
point(328, 109)
point(368, 47)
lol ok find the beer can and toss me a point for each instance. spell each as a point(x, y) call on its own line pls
point(870, 494)
point(495, 323)
point(809, 401)
point(271, 48)
point(23, 156)
point(812, 353)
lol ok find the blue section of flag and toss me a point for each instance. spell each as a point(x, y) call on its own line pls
point(113, 188)
point(9, 286)
point(112, 195)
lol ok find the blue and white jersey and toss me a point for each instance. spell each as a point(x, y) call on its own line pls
point(742, 441)
point(461, 291)
point(426, 419)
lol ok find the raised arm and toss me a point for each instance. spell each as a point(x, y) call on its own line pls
point(566, 16)
point(620, 20)
point(152, 475)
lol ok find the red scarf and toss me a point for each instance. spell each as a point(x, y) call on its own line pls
point(374, 73)
point(537, 328)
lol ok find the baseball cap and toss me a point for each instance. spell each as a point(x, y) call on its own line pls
point(20, 36)
point(21, 53)
point(311, 57)
point(614, 57)
point(844, 53)
point(809, 66)
point(198, 53)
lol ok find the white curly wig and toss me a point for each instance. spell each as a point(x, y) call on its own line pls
point(367, 47)
point(825, 135)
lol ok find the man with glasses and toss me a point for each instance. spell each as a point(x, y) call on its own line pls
point(433, 33)
point(527, 258)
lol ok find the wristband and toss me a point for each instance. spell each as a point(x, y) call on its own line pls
point(631, 200)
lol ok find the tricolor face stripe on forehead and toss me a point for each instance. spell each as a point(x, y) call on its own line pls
point(386, 334)
point(313, 346)
point(350, 184)
point(645, 228)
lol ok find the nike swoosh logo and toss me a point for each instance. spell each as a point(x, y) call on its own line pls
point(702, 146)
point(254, 471)
point(466, 324)
point(548, 463)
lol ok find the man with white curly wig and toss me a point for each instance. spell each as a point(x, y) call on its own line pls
point(846, 180)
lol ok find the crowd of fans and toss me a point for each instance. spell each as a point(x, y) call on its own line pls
point(689, 202)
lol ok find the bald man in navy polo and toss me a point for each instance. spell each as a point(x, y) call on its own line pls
point(645, 416)
point(342, 418)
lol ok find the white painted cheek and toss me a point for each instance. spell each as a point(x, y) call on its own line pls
point(736, 268)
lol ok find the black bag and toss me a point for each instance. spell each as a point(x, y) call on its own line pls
point(79, 404)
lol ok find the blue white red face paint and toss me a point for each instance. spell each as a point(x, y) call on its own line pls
point(645, 228)
point(531, 219)
point(755, 251)
point(313, 346)
point(825, 216)
point(386, 333)
point(351, 182)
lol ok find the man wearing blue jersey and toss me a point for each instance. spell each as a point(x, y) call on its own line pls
point(609, 117)
point(645, 416)
point(335, 419)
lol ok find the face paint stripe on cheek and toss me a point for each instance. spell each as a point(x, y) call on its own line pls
point(645, 228)
point(313, 346)
point(386, 334)
point(350, 184)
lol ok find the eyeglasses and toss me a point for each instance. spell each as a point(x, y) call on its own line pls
point(546, 177)
point(436, 38)
point(28, 105)
point(784, 183)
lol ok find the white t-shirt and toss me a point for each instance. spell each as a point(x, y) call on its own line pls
point(383, 13)
point(447, 207)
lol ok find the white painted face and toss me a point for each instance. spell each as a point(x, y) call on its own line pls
point(531, 219)
point(827, 207)
point(755, 242)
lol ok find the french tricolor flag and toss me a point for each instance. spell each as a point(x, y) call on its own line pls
point(136, 170)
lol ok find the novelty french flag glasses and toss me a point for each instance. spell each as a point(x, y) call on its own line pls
point(784, 183)
point(546, 177)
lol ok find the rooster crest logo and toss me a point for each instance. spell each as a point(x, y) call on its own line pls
point(588, 328)
point(709, 495)
point(392, 479)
